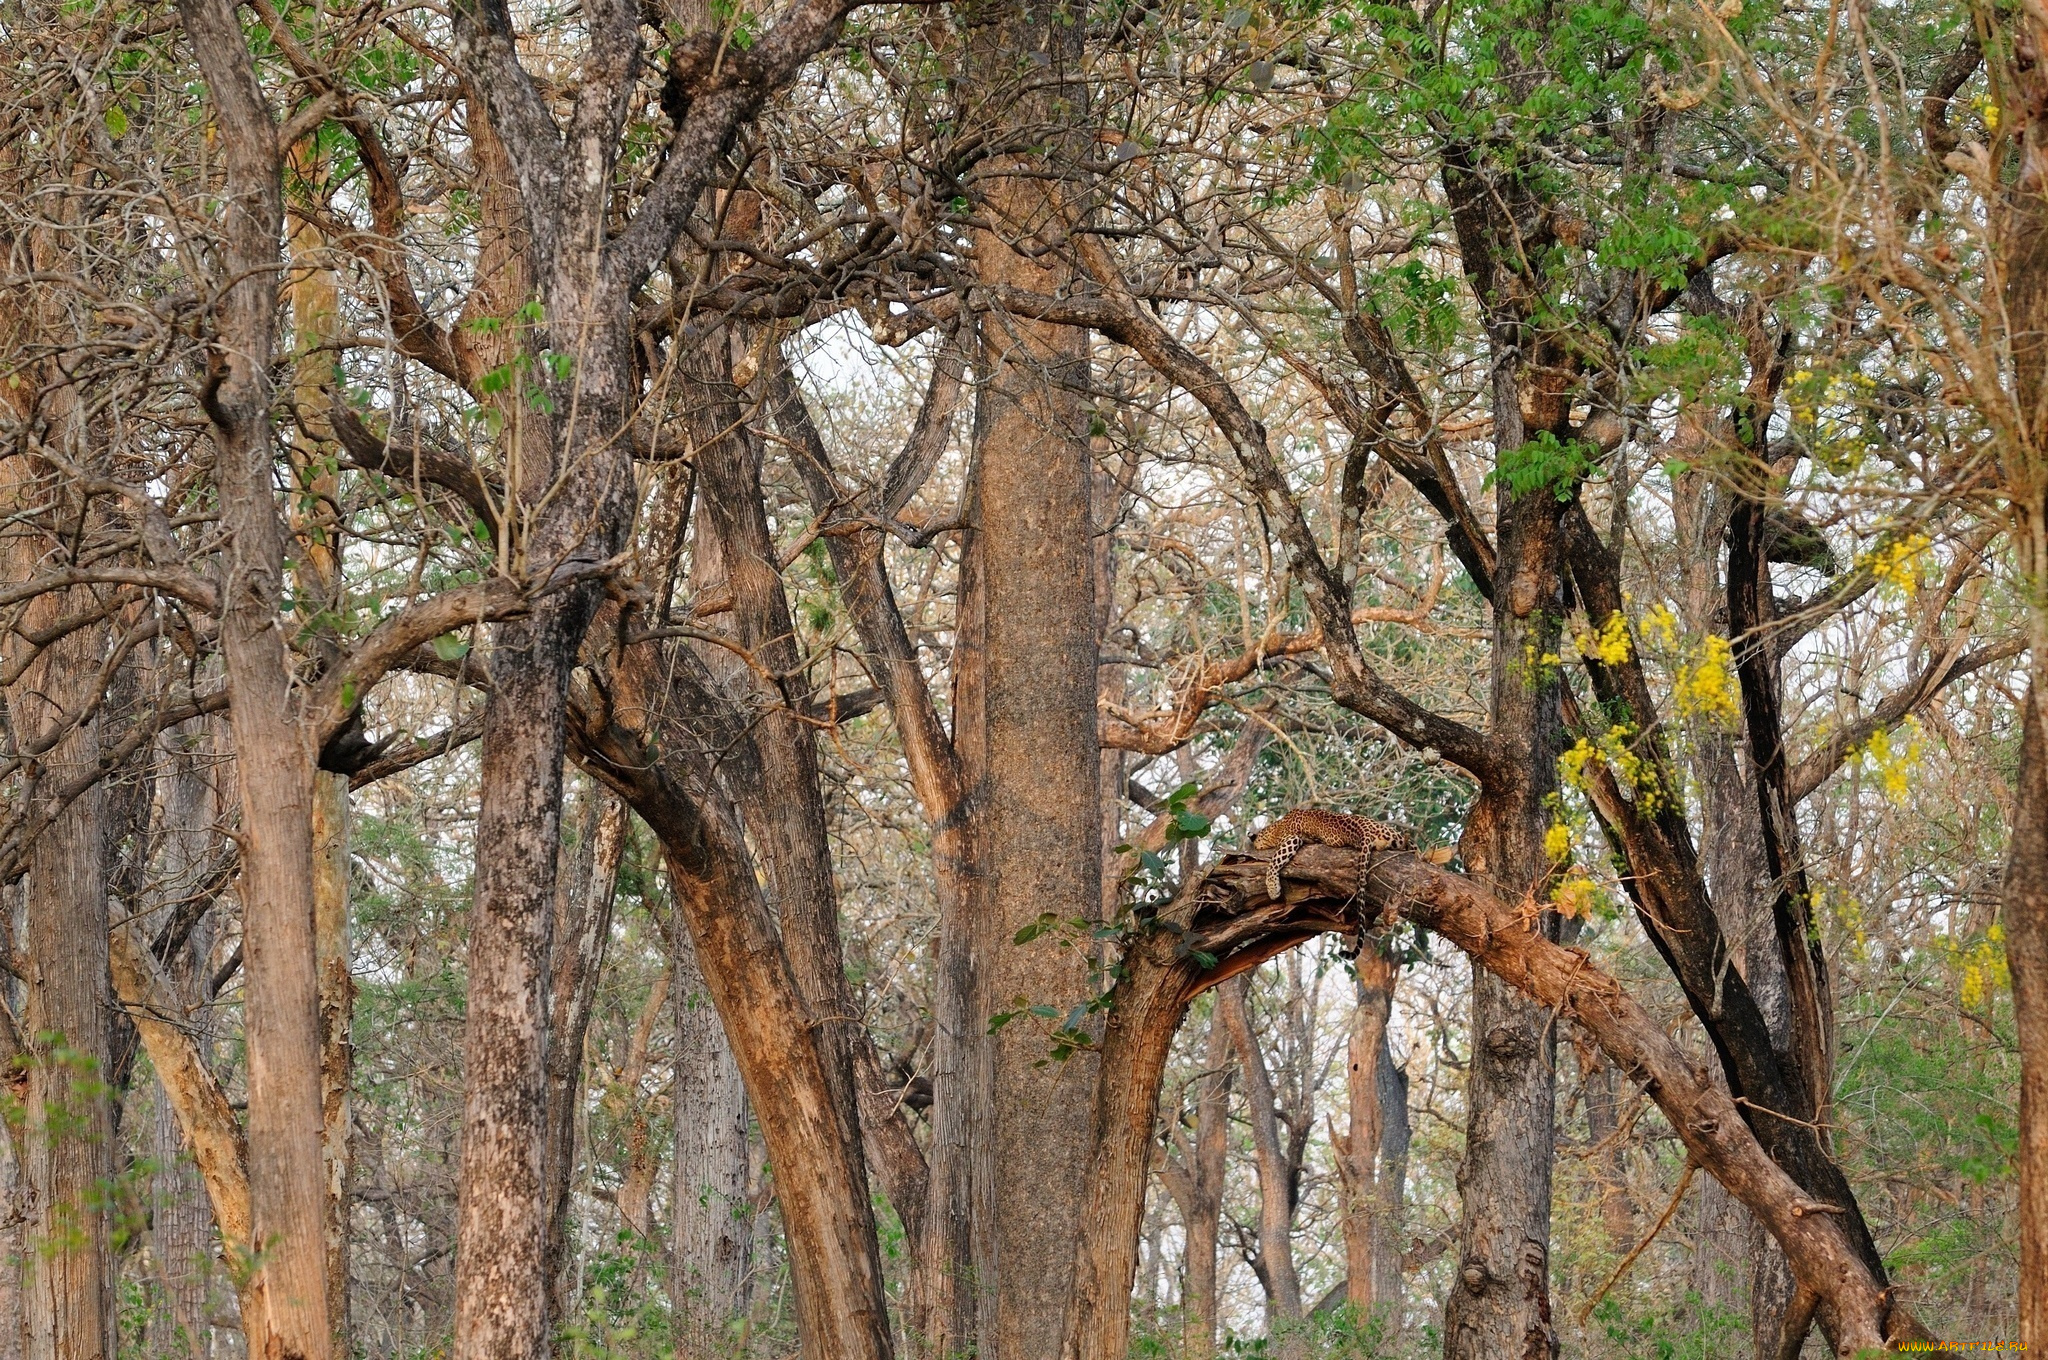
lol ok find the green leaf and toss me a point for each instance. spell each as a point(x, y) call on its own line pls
point(116, 119)
point(450, 647)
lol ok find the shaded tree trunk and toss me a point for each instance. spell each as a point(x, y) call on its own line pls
point(713, 1226)
point(67, 1118)
point(583, 918)
point(1195, 1180)
point(1275, 1263)
point(501, 1277)
point(2025, 914)
point(1499, 1303)
point(1369, 1236)
point(827, 1218)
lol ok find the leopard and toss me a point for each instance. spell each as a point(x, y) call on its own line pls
point(1285, 838)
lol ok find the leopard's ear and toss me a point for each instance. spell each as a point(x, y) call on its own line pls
point(1441, 855)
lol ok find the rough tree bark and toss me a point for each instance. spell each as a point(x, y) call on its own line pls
point(1035, 559)
point(827, 1219)
point(583, 918)
point(2025, 467)
point(67, 1119)
point(713, 1230)
point(274, 758)
point(1370, 1230)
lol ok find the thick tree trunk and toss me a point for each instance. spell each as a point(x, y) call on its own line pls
point(1275, 1264)
point(501, 1278)
point(67, 1118)
point(1040, 756)
point(274, 763)
point(1499, 1303)
point(1041, 815)
point(2025, 908)
point(826, 1215)
point(713, 1228)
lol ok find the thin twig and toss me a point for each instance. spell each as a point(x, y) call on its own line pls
point(1678, 1195)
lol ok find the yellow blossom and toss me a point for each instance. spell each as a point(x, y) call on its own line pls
point(1608, 644)
point(1897, 563)
point(1892, 761)
point(1708, 687)
point(1557, 843)
point(1660, 626)
point(1576, 896)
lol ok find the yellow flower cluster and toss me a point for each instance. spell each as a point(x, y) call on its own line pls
point(1608, 644)
point(1577, 896)
point(1613, 751)
point(1707, 686)
point(1892, 761)
point(1557, 843)
point(1983, 967)
point(1897, 564)
point(1660, 626)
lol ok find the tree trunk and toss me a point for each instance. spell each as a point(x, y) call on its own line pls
point(1035, 555)
point(67, 1119)
point(274, 763)
point(1276, 1215)
point(1197, 1185)
point(827, 1218)
point(2025, 914)
point(780, 796)
point(1367, 1234)
point(2025, 903)
point(337, 1014)
point(583, 918)
point(1041, 816)
point(501, 1278)
point(713, 1228)
point(1392, 1212)
point(1499, 1303)
point(183, 1238)
point(1226, 916)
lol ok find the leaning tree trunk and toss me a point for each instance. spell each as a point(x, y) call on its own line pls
point(1225, 916)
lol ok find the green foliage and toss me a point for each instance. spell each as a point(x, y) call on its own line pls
point(1682, 1329)
point(1545, 463)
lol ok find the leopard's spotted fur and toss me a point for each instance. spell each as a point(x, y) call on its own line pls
point(1313, 826)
